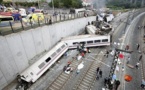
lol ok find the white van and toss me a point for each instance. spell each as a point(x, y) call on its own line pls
point(22, 12)
point(75, 11)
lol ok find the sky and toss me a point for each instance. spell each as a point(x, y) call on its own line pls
point(99, 3)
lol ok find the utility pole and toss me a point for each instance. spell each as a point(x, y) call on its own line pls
point(52, 5)
point(38, 4)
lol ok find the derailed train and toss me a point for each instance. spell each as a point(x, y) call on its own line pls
point(32, 73)
point(36, 70)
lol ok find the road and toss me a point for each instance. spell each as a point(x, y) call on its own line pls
point(129, 35)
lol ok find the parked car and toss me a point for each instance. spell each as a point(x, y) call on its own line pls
point(6, 20)
point(39, 11)
point(9, 9)
point(34, 18)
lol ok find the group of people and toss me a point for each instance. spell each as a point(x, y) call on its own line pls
point(107, 83)
point(67, 69)
point(110, 85)
point(83, 50)
point(107, 53)
point(139, 27)
point(98, 73)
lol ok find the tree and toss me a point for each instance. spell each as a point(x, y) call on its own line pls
point(142, 3)
point(125, 3)
point(66, 3)
point(55, 3)
point(1, 1)
point(76, 4)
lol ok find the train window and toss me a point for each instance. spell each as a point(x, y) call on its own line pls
point(74, 43)
point(53, 54)
point(41, 65)
point(105, 40)
point(31, 73)
point(58, 50)
point(48, 59)
point(82, 42)
point(62, 46)
point(96, 41)
point(89, 41)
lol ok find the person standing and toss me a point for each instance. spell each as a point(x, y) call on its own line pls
point(97, 76)
point(122, 68)
point(97, 70)
point(127, 47)
point(83, 54)
point(100, 73)
point(140, 57)
point(64, 68)
point(105, 81)
point(117, 83)
point(68, 63)
point(137, 64)
point(107, 52)
point(138, 46)
point(128, 59)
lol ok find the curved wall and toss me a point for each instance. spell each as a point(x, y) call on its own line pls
point(18, 49)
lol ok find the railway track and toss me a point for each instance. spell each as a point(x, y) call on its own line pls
point(89, 76)
point(60, 82)
point(63, 77)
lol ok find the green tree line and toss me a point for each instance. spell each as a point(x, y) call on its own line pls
point(66, 3)
point(125, 4)
point(25, 4)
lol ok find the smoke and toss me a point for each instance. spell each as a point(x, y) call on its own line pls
point(99, 3)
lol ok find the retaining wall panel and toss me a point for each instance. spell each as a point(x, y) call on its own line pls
point(28, 43)
point(37, 37)
point(8, 66)
point(16, 47)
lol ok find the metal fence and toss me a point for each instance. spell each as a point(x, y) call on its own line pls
point(20, 25)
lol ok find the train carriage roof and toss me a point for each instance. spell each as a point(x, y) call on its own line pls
point(82, 37)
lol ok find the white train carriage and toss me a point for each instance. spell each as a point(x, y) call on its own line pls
point(32, 73)
point(91, 29)
point(87, 40)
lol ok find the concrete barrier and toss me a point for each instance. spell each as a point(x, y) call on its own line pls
point(18, 49)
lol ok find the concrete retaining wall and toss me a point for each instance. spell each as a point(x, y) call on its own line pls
point(18, 49)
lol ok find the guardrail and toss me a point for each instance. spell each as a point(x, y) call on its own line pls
point(17, 26)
